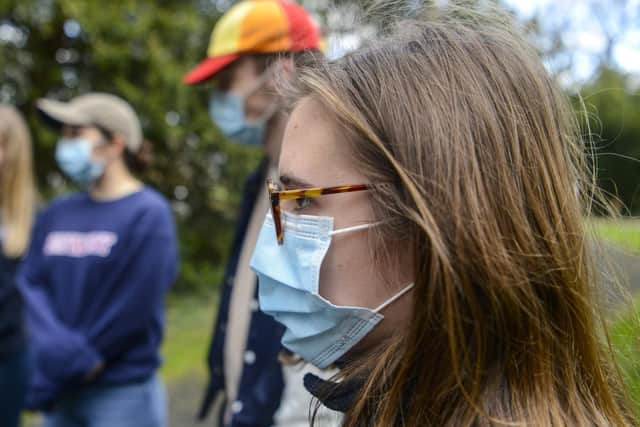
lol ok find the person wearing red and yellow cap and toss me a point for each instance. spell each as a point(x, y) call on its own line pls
point(252, 45)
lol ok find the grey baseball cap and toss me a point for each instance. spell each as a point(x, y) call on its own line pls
point(96, 109)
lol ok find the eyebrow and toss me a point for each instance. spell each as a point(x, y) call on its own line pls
point(291, 181)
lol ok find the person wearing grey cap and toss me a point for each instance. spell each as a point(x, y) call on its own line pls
point(95, 275)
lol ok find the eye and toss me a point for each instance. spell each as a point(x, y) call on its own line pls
point(303, 203)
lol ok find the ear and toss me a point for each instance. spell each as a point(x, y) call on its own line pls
point(286, 66)
point(118, 145)
point(282, 69)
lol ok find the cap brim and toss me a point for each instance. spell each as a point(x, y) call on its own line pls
point(62, 113)
point(208, 68)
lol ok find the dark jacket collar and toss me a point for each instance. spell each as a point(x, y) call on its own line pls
point(337, 396)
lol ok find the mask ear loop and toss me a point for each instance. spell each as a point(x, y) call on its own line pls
point(394, 298)
point(350, 229)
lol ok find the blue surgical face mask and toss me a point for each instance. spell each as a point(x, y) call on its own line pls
point(227, 111)
point(288, 287)
point(75, 160)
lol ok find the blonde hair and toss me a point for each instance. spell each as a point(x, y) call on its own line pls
point(17, 189)
point(484, 157)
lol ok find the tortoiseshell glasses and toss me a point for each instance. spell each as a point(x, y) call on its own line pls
point(276, 195)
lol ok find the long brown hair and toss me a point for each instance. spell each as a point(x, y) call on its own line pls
point(489, 183)
point(17, 188)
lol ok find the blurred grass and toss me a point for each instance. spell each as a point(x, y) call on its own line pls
point(189, 326)
point(623, 232)
point(625, 338)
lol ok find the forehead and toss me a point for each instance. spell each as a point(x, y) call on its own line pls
point(80, 130)
point(244, 69)
point(314, 150)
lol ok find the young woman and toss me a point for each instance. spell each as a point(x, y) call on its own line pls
point(17, 204)
point(426, 236)
point(96, 274)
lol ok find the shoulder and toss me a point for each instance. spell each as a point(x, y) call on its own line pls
point(154, 209)
point(65, 200)
point(60, 204)
point(154, 204)
point(153, 199)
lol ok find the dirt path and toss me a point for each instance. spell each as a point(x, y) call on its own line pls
point(184, 399)
point(618, 266)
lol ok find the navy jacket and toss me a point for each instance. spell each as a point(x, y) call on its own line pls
point(11, 325)
point(261, 383)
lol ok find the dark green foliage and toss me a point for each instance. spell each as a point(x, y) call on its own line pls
point(613, 105)
point(138, 50)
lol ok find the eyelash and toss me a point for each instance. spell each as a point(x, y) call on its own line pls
point(303, 203)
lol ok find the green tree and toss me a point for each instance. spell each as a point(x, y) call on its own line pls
point(138, 50)
point(613, 105)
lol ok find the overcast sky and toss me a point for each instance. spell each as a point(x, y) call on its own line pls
point(583, 22)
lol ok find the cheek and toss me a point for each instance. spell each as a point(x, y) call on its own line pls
point(256, 106)
point(347, 276)
point(100, 153)
point(97, 154)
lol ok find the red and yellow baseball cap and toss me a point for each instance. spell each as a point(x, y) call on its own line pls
point(256, 26)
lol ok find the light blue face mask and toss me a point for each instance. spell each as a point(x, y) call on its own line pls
point(288, 281)
point(73, 156)
point(227, 111)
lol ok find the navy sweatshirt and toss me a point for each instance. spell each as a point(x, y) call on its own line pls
point(11, 328)
point(94, 281)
